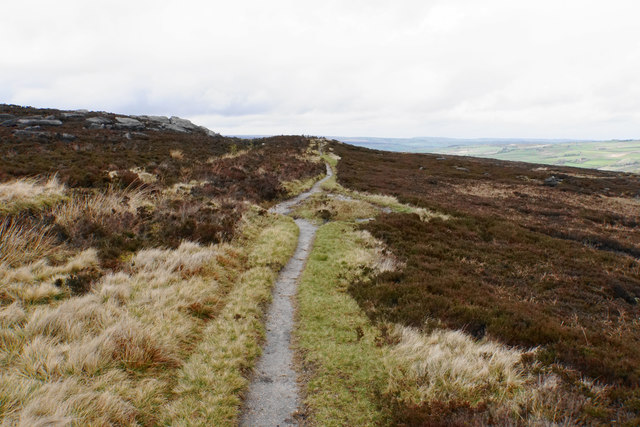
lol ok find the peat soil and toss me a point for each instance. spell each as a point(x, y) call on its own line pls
point(273, 396)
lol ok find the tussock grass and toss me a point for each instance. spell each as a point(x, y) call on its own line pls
point(100, 206)
point(321, 207)
point(35, 282)
point(21, 244)
point(107, 357)
point(211, 383)
point(30, 194)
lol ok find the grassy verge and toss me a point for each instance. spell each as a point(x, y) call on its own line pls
point(336, 340)
point(380, 201)
point(298, 186)
point(139, 345)
point(211, 382)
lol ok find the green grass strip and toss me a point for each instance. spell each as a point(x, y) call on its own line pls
point(337, 341)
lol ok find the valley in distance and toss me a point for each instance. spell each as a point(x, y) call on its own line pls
point(139, 255)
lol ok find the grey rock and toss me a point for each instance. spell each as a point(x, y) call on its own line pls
point(183, 123)
point(128, 123)
point(39, 122)
point(173, 127)
point(73, 115)
point(552, 181)
point(155, 119)
point(4, 117)
point(31, 134)
point(33, 128)
point(9, 123)
point(95, 126)
point(461, 169)
point(99, 120)
point(68, 137)
point(441, 158)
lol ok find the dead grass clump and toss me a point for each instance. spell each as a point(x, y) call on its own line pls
point(21, 244)
point(70, 402)
point(451, 365)
point(176, 154)
point(30, 194)
point(129, 343)
point(40, 281)
point(72, 320)
point(99, 207)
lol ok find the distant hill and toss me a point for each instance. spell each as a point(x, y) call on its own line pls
point(615, 155)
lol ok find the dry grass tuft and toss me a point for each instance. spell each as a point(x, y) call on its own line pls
point(447, 365)
point(21, 244)
point(98, 208)
point(176, 154)
point(30, 193)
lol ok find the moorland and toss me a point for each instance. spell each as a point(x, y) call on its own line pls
point(138, 255)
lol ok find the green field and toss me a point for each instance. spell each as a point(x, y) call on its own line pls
point(609, 155)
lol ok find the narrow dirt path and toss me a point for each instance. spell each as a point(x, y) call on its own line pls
point(273, 393)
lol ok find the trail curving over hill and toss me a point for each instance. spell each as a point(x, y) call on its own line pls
point(273, 395)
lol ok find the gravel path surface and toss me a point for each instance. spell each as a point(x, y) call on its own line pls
point(273, 395)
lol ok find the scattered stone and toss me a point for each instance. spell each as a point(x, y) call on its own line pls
point(175, 128)
point(421, 168)
point(33, 128)
point(460, 168)
point(183, 123)
point(128, 123)
point(31, 134)
point(39, 122)
point(73, 115)
point(67, 137)
point(99, 120)
point(441, 158)
point(156, 119)
point(552, 181)
point(9, 123)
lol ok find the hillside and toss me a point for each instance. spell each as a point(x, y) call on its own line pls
point(139, 256)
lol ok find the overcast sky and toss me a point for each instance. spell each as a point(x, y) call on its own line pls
point(458, 68)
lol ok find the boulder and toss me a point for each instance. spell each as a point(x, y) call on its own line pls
point(9, 123)
point(39, 122)
point(128, 123)
point(175, 128)
point(552, 181)
point(155, 119)
point(67, 137)
point(99, 120)
point(73, 115)
point(183, 123)
point(31, 134)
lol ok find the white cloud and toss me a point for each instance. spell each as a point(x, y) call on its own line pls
point(442, 67)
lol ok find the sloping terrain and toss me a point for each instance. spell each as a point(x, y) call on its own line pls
point(136, 258)
point(532, 256)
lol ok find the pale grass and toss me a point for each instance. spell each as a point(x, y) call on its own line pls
point(34, 282)
point(445, 365)
point(144, 176)
point(176, 154)
point(143, 320)
point(211, 383)
point(20, 244)
point(30, 193)
point(99, 207)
